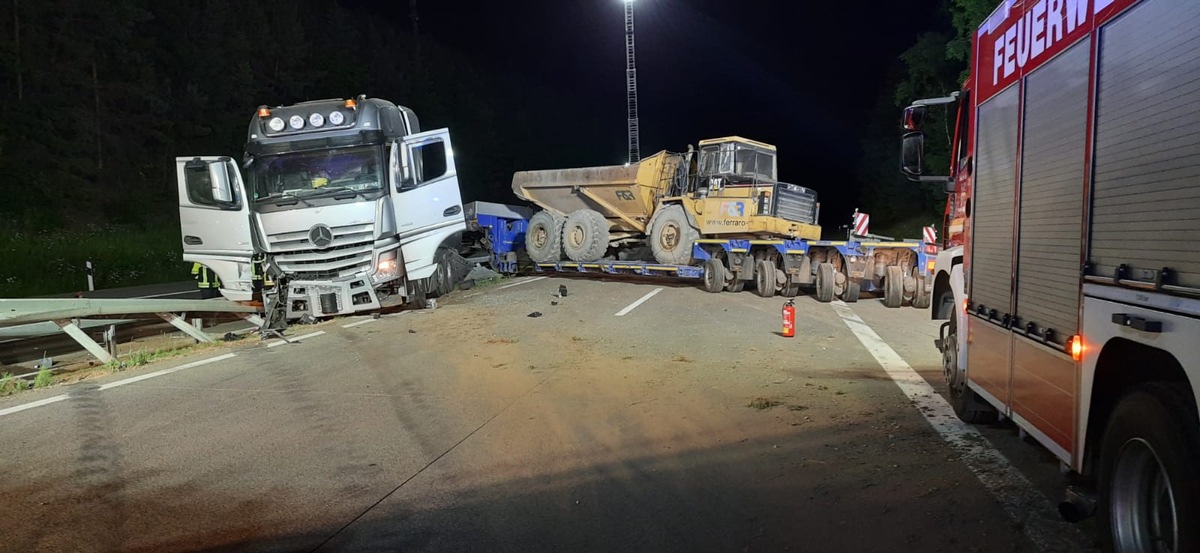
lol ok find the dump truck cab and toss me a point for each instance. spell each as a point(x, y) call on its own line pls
point(735, 161)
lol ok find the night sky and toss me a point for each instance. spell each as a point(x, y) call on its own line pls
point(801, 75)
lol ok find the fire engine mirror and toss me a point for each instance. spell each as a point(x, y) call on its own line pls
point(914, 118)
point(221, 190)
point(912, 153)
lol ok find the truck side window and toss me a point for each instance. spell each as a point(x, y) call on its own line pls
point(199, 186)
point(429, 161)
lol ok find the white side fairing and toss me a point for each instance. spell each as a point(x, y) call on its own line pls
point(214, 220)
point(427, 200)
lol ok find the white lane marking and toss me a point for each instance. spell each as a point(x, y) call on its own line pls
point(32, 405)
point(62, 397)
point(359, 323)
point(164, 372)
point(635, 304)
point(296, 339)
point(1026, 506)
point(535, 279)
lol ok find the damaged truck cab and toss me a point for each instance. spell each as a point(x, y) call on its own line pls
point(337, 207)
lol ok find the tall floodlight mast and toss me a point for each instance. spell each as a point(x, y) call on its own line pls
point(631, 85)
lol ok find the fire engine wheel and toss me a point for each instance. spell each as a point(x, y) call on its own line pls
point(923, 296)
point(825, 281)
point(672, 236)
point(967, 404)
point(585, 235)
point(764, 278)
point(714, 275)
point(850, 295)
point(1147, 478)
point(543, 239)
point(893, 287)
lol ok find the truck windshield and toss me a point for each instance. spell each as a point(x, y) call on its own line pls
point(310, 174)
point(737, 162)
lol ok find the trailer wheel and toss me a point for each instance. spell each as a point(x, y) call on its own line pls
point(543, 239)
point(714, 275)
point(1148, 482)
point(922, 298)
point(792, 288)
point(893, 287)
point(736, 285)
point(672, 237)
point(850, 295)
point(764, 278)
point(585, 235)
point(825, 282)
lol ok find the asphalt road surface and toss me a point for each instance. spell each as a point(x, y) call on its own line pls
point(684, 424)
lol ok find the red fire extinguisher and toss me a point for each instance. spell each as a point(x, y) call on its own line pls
point(789, 319)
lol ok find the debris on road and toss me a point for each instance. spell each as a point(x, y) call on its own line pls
point(534, 315)
point(762, 403)
point(562, 290)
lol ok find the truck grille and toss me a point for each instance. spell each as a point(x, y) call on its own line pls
point(349, 253)
point(795, 203)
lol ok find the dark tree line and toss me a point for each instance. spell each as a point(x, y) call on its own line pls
point(935, 66)
point(98, 98)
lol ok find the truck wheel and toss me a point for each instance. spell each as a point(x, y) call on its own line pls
point(442, 281)
point(764, 278)
point(672, 237)
point(585, 235)
point(893, 287)
point(967, 404)
point(543, 239)
point(1148, 485)
point(736, 285)
point(792, 288)
point(825, 282)
point(714, 275)
point(852, 290)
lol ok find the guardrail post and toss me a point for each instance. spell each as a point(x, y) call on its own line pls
point(84, 340)
point(91, 277)
point(110, 340)
point(186, 328)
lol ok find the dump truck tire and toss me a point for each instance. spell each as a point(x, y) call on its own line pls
point(714, 275)
point(764, 278)
point(585, 235)
point(893, 287)
point(672, 237)
point(543, 240)
point(825, 282)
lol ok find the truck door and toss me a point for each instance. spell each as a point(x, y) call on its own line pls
point(214, 219)
point(428, 204)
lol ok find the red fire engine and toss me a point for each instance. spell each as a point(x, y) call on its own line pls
point(1071, 281)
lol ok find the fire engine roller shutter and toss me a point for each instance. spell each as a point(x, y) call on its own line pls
point(1146, 203)
point(995, 184)
point(1051, 220)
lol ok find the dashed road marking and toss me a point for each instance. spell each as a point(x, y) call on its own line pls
point(359, 323)
point(635, 304)
point(118, 383)
point(527, 281)
point(296, 339)
point(1015, 493)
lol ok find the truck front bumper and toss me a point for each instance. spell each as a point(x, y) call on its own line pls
point(329, 298)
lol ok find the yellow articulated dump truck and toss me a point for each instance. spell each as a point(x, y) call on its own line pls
point(717, 212)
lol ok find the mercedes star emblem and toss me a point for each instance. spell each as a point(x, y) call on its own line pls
point(321, 236)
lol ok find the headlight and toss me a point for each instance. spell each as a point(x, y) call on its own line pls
point(388, 267)
point(316, 120)
point(336, 118)
point(275, 124)
point(296, 122)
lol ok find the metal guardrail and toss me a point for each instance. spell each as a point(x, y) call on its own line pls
point(67, 315)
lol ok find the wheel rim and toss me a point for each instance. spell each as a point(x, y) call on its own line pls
point(575, 236)
point(540, 236)
point(954, 377)
point(1144, 516)
point(669, 237)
